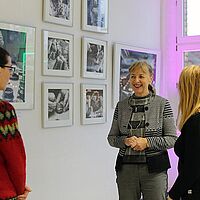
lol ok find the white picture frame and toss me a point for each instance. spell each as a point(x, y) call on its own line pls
point(93, 103)
point(58, 12)
point(19, 41)
point(95, 15)
point(57, 104)
point(124, 56)
point(57, 54)
point(94, 58)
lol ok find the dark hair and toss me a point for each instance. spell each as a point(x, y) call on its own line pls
point(3, 56)
point(152, 89)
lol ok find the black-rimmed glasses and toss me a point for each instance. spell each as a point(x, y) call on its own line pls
point(10, 67)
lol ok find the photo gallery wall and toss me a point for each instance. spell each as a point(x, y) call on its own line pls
point(57, 61)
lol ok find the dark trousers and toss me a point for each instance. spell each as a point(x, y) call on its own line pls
point(135, 182)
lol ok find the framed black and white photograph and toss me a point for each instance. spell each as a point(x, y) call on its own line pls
point(124, 57)
point(94, 58)
point(19, 41)
point(95, 15)
point(57, 54)
point(93, 103)
point(58, 12)
point(57, 104)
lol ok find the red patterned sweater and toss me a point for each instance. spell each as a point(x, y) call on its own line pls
point(12, 154)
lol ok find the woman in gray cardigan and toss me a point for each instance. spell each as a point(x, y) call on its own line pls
point(143, 128)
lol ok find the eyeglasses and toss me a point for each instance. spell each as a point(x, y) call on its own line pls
point(11, 68)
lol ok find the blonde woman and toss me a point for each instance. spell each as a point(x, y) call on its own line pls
point(143, 128)
point(187, 184)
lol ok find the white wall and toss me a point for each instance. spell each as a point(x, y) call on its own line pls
point(77, 162)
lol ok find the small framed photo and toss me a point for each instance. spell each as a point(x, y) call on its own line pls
point(57, 54)
point(124, 57)
point(94, 57)
point(19, 41)
point(58, 12)
point(93, 104)
point(57, 104)
point(95, 15)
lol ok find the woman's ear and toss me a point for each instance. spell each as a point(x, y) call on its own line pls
point(151, 79)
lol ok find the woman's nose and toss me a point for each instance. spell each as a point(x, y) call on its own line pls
point(137, 79)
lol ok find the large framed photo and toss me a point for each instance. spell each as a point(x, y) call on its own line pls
point(95, 15)
point(124, 57)
point(57, 54)
point(94, 57)
point(57, 104)
point(58, 12)
point(93, 103)
point(19, 41)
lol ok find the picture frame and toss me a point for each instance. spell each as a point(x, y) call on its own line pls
point(93, 103)
point(57, 54)
point(95, 15)
point(58, 12)
point(186, 55)
point(19, 41)
point(57, 104)
point(94, 58)
point(124, 56)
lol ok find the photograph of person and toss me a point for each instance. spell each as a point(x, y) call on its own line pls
point(58, 104)
point(95, 58)
point(60, 9)
point(143, 129)
point(96, 13)
point(15, 43)
point(58, 54)
point(94, 103)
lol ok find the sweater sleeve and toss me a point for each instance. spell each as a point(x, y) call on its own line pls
point(167, 138)
point(12, 149)
point(189, 170)
point(115, 138)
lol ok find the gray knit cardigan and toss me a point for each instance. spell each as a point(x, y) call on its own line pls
point(160, 129)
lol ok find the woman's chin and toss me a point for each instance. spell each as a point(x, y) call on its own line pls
point(137, 93)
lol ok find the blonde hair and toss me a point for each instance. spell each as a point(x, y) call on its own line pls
point(146, 68)
point(189, 92)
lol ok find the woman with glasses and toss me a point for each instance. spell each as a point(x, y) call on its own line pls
point(143, 128)
point(187, 184)
point(12, 152)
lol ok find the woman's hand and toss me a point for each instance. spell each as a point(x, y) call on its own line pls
point(137, 144)
point(25, 195)
point(141, 144)
point(131, 141)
